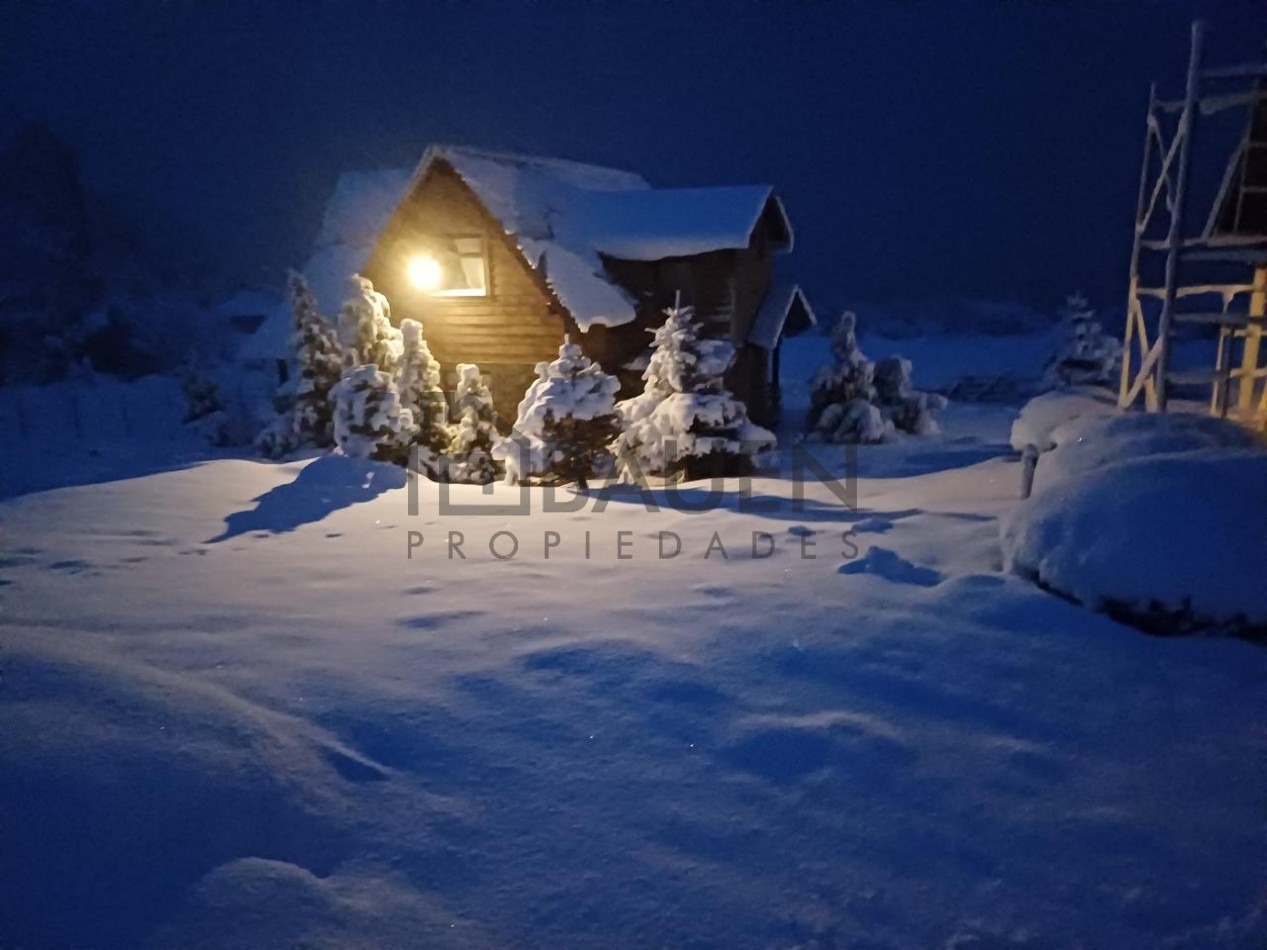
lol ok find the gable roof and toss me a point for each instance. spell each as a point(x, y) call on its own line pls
point(785, 310)
point(566, 216)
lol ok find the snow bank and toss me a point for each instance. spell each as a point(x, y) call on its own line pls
point(92, 429)
point(306, 734)
point(1157, 519)
point(1044, 414)
point(1091, 442)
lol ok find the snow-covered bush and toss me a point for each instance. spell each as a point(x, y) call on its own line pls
point(418, 381)
point(855, 400)
point(204, 407)
point(366, 330)
point(318, 364)
point(473, 433)
point(908, 409)
point(201, 392)
point(277, 438)
point(685, 421)
point(369, 420)
point(1086, 355)
point(567, 420)
point(1152, 518)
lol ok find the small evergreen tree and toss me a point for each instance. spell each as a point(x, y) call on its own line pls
point(369, 421)
point(419, 383)
point(201, 392)
point(900, 402)
point(473, 435)
point(366, 330)
point(854, 400)
point(204, 407)
point(685, 421)
point(277, 438)
point(1086, 355)
point(318, 364)
point(566, 421)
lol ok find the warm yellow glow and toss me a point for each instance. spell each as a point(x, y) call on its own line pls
point(425, 273)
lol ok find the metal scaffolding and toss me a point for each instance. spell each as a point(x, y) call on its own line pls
point(1196, 263)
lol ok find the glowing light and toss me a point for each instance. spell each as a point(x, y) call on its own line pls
point(425, 273)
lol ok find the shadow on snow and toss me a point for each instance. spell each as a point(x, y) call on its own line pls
point(324, 486)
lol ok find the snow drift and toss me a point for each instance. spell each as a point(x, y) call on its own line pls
point(1153, 519)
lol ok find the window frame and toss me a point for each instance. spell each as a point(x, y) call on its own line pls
point(463, 292)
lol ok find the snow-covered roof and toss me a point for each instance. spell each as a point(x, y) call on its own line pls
point(564, 215)
point(679, 222)
point(785, 309)
point(354, 218)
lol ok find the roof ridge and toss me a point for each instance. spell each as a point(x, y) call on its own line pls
point(522, 158)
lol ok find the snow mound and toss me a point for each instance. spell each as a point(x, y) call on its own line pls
point(1154, 519)
point(1044, 414)
point(1091, 442)
point(255, 902)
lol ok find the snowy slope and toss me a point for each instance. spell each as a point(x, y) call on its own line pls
point(236, 713)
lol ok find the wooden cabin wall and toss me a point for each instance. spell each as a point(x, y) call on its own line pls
point(753, 274)
point(506, 332)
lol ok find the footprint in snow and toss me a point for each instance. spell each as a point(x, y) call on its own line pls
point(892, 567)
point(72, 566)
point(873, 526)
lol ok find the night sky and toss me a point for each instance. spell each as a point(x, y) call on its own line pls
point(923, 149)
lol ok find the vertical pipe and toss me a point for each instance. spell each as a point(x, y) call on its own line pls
point(1186, 123)
point(1132, 294)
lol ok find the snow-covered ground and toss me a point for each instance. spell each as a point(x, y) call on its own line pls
point(237, 710)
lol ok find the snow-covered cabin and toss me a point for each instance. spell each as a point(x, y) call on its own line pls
point(500, 255)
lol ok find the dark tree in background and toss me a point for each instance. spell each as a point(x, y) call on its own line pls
point(47, 287)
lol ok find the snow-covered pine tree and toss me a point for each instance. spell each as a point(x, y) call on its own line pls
point(369, 421)
point(855, 400)
point(566, 421)
point(318, 364)
point(686, 422)
point(473, 432)
point(1085, 355)
point(842, 396)
point(419, 383)
point(366, 331)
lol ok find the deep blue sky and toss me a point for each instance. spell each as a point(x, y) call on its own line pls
point(923, 149)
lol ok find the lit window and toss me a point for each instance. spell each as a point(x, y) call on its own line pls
point(450, 267)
